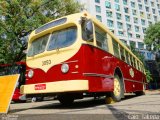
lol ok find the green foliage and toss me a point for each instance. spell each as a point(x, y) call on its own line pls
point(148, 76)
point(152, 36)
point(137, 53)
point(19, 17)
point(141, 57)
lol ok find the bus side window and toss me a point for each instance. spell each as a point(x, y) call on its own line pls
point(122, 53)
point(131, 60)
point(101, 38)
point(127, 57)
point(115, 48)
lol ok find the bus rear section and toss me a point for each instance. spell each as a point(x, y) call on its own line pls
point(71, 58)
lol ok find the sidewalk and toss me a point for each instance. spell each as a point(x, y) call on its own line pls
point(150, 92)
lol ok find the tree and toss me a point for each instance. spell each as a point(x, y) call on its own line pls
point(152, 36)
point(19, 17)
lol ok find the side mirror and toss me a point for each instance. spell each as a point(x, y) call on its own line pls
point(87, 30)
point(89, 27)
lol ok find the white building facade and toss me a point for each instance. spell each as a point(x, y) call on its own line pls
point(127, 19)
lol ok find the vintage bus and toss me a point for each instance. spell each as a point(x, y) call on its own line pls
point(77, 56)
point(16, 68)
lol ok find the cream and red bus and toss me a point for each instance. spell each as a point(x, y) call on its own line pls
point(77, 56)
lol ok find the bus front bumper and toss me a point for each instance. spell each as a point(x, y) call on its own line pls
point(55, 87)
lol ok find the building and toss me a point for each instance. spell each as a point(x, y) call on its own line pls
point(127, 19)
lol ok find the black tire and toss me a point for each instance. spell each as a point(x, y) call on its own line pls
point(118, 92)
point(65, 99)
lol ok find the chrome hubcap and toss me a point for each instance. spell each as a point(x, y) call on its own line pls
point(116, 87)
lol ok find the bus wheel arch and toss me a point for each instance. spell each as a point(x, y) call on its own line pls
point(118, 92)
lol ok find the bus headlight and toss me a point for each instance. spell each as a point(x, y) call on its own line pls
point(30, 73)
point(65, 68)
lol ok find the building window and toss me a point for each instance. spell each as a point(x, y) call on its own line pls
point(149, 16)
point(120, 33)
point(140, 45)
point(118, 16)
point(136, 28)
point(134, 12)
point(98, 9)
point(147, 9)
point(138, 36)
point(144, 30)
point(143, 22)
point(117, 7)
point(152, 4)
point(109, 14)
point(99, 17)
point(111, 30)
point(158, 5)
point(109, 23)
point(128, 27)
point(117, 1)
point(119, 25)
point(125, 2)
point(140, 6)
point(133, 4)
point(129, 35)
point(127, 18)
point(142, 14)
point(155, 18)
point(135, 20)
point(126, 10)
point(149, 22)
point(146, 2)
point(154, 11)
point(108, 4)
point(97, 1)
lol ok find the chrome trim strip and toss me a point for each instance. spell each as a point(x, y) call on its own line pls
point(98, 75)
point(132, 80)
point(75, 72)
point(69, 62)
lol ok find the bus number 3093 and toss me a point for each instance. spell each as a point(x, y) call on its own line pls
point(46, 62)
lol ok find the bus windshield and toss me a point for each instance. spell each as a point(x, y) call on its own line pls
point(38, 45)
point(62, 38)
point(59, 39)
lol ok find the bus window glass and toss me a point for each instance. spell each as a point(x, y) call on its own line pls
point(62, 38)
point(38, 45)
point(122, 53)
point(132, 63)
point(101, 38)
point(115, 48)
point(127, 57)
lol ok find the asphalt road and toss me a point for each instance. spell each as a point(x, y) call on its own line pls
point(130, 108)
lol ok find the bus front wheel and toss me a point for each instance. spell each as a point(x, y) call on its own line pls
point(118, 89)
point(65, 99)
